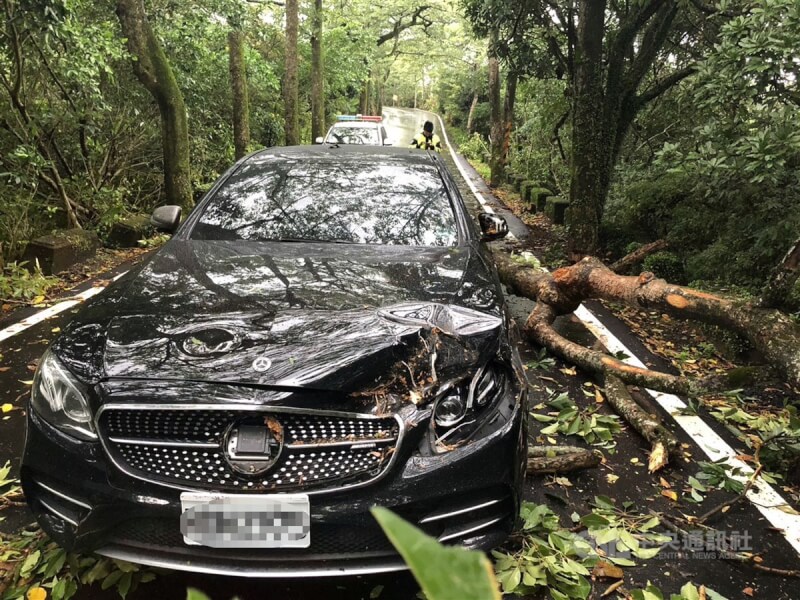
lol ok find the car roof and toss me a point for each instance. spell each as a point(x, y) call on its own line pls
point(329, 151)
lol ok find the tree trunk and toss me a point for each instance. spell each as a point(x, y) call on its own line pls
point(471, 115)
point(363, 103)
point(496, 112)
point(155, 72)
point(290, 81)
point(508, 119)
point(317, 76)
point(241, 102)
point(590, 161)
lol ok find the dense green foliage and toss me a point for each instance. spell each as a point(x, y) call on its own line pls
point(711, 164)
point(79, 133)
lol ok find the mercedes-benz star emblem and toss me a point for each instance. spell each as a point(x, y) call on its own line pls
point(261, 364)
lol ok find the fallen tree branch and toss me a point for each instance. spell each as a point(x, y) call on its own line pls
point(728, 503)
point(627, 262)
point(561, 459)
point(661, 440)
point(772, 333)
point(539, 328)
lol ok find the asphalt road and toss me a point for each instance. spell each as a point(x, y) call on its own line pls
point(20, 351)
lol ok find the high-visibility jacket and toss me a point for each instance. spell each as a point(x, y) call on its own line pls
point(424, 143)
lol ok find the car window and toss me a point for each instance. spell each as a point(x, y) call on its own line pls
point(358, 201)
point(353, 135)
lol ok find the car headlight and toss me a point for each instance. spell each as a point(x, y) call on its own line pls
point(60, 399)
point(461, 407)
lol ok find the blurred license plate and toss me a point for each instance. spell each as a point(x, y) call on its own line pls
point(246, 521)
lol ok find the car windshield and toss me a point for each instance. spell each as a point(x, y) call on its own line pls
point(353, 135)
point(364, 201)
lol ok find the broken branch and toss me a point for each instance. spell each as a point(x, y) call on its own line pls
point(661, 440)
point(627, 262)
point(561, 459)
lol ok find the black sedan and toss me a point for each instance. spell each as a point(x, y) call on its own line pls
point(324, 333)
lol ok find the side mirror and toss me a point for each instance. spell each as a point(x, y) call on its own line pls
point(388, 141)
point(493, 226)
point(166, 218)
point(319, 140)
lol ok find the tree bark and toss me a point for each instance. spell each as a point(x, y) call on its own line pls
point(496, 112)
point(317, 75)
point(662, 442)
point(471, 114)
point(590, 161)
point(241, 102)
point(363, 103)
point(508, 120)
point(560, 459)
point(154, 71)
point(290, 80)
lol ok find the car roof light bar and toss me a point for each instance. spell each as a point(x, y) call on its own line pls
point(372, 118)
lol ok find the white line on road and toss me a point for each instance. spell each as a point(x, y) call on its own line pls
point(46, 313)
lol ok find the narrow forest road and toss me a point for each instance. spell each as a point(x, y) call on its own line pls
point(623, 477)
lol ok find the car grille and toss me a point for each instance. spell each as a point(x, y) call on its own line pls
point(186, 447)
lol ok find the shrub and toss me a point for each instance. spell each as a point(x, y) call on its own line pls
point(666, 265)
point(475, 148)
point(17, 282)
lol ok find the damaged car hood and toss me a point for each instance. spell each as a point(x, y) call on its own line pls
point(300, 315)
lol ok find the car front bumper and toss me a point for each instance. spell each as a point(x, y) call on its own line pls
point(468, 496)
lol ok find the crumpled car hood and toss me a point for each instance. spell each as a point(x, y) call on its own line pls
point(317, 316)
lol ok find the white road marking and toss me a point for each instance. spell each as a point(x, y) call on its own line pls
point(46, 313)
point(765, 498)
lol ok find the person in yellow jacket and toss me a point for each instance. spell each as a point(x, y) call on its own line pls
point(427, 140)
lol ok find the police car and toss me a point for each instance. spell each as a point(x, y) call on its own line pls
point(357, 129)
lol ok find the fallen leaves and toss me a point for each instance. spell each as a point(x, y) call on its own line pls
point(672, 495)
point(607, 570)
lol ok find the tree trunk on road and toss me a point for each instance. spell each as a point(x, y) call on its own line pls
point(772, 333)
point(317, 75)
point(154, 71)
point(290, 82)
point(241, 102)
